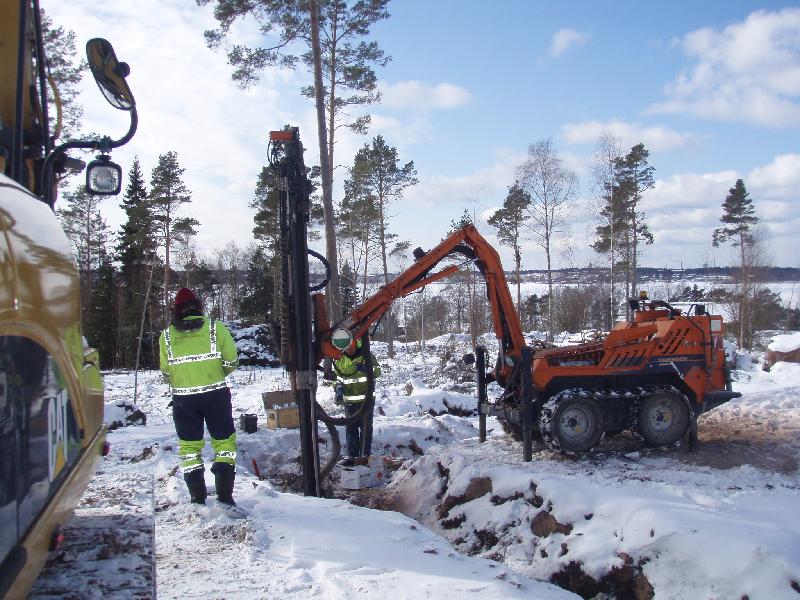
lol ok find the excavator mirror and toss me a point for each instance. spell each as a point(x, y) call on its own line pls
point(109, 73)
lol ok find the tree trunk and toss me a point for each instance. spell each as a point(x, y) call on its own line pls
point(744, 301)
point(517, 261)
point(334, 295)
point(549, 293)
point(382, 228)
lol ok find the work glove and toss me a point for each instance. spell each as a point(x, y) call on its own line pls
point(361, 367)
point(338, 394)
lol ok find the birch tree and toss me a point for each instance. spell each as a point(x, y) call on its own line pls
point(552, 189)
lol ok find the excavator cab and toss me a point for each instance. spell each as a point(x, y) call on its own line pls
point(51, 395)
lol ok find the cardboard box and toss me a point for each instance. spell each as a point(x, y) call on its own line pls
point(357, 477)
point(369, 475)
point(377, 469)
point(278, 399)
point(283, 418)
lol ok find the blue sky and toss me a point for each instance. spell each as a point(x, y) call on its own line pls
point(712, 89)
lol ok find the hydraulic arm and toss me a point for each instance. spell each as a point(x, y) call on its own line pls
point(472, 246)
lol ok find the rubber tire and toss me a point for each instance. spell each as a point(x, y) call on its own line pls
point(556, 437)
point(651, 412)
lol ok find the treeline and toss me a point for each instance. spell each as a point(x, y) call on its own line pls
point(128, 276)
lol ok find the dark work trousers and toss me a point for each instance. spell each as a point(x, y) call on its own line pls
point(214, 407)
point(353, 432)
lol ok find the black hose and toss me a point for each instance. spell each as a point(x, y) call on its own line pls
point(327, 265)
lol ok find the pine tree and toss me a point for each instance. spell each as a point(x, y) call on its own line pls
point(349, 293)
point(88, 233)
point(256, 302)
point(342, 64)
point(634, 176)
point(738, 216)
point(607, 151)
point(462, 221)
point(378, 177)
point(66, 69)
point(102, 321)
point(508, 222)
point(168, 193)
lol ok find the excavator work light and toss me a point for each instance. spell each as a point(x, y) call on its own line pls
point(103, 177)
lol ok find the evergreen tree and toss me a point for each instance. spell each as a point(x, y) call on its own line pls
point(342, 63)
point(378, 177)
point(456, 224)
point(634, 176)
point(139, 269)
point(349, 293)
point(508, 222)
point(102, 321)
point(168, 193)
point(88, 233)
point(738, 216)
point(358, 237)
point(609, 215)
point(66, 69)
point(256, 303)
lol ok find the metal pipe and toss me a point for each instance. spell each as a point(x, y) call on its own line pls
point(527, 404)
point(369, 401)
point(483, 404)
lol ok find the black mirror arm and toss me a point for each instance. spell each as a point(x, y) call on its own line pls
point(104, 144)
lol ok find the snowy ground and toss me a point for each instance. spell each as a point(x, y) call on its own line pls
point(477, 521)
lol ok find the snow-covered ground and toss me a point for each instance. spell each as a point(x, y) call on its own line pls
point(476, 520)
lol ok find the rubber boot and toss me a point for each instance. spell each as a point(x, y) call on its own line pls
point(196, 482)
point(224, 475)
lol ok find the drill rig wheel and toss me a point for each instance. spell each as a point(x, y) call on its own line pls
point(571, 421)
point(663, 417)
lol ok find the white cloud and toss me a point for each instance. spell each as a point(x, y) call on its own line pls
point(188, 103)
point(566, 39)
point(749, 71)
point(780, 179)
point(421, 96)
point(629, 134)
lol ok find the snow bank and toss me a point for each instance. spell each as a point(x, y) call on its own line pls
point(785, 343)
point(719, 536)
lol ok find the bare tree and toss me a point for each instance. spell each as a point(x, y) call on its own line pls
point(552, 189)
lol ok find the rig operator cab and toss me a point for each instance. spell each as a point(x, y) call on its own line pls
point(51, 395)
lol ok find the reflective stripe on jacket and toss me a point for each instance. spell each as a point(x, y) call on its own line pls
point(354, 381)
point(198, 360)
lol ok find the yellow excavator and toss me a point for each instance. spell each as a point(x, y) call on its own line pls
point(51, 395)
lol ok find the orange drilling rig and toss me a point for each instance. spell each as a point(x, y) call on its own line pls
point(653, 375)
